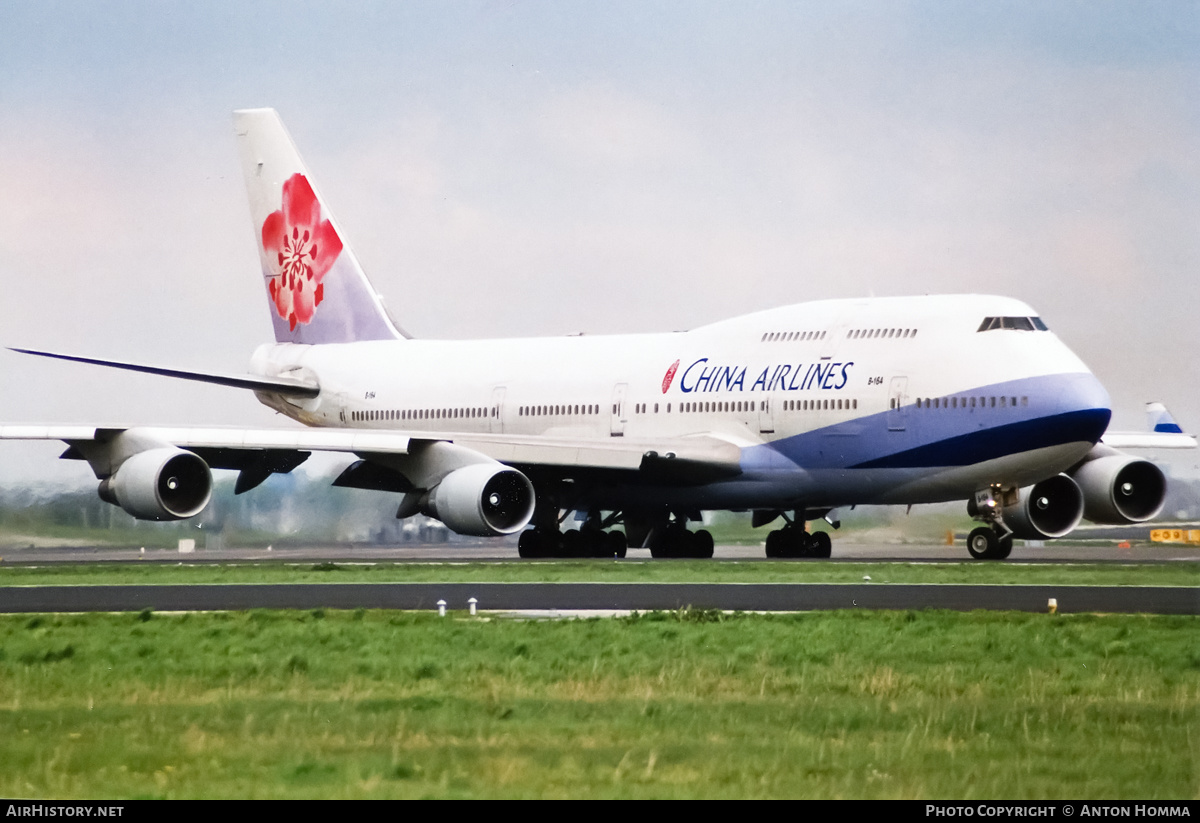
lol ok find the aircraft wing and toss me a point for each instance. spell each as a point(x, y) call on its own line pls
point(260, 451)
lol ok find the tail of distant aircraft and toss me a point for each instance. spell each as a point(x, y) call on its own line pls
point(316, 289)
point(1161, 420)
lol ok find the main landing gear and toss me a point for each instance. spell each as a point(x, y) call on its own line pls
point(667, 539)
point(794, 540)
point(545, 539)
point(676, 541)
point(573, 543)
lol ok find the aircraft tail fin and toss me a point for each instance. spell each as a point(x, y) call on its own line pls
point(1161, 420)
point(317, 291)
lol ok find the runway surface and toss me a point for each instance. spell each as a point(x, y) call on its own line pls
point(544, 597)
point(506, 551)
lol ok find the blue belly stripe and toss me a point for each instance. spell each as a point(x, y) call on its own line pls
point(991, 443)
point(1071, 408)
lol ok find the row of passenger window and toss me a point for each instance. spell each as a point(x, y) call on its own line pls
point(698, 407)
point(824, 404)
point(783, 336)
point(736, 406)
point(558, 410)
point(469, 413)
point(988, 402)
point(873, 334)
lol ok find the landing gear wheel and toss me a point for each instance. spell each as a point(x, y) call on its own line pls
point(1003, 547)
point(675, 541)
point(983, 543)
point(820, 545)
point(774, 544)
point(794, 542)
point(573, 544)
point(538, 543)
point(529, 545)
point(616, 544)
point(702, 544)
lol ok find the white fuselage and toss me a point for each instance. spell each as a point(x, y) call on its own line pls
point(835, 402)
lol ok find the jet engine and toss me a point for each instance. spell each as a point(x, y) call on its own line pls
point(160, 484)
point(483, 499)
point(1051, 508)
point(1119, 488)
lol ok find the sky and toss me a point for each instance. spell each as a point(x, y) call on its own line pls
point(545, 168)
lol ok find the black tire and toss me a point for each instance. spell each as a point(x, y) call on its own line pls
point(797, 542)
point(773, 544)
point(702, 544)
point(676, 541)
point(617, 544)
point(983, 543)
point(528, 545)
point(1003, 548)
point(591, 544)
point(573, 544)
point(820, 545)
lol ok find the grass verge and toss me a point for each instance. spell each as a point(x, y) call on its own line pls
point(645, 571)
point(371, 704)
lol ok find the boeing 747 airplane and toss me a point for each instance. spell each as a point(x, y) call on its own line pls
point(790, 413)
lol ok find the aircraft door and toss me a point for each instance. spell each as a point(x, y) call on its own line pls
point(617, 427)
point(766, 415)
point(833, 336)
point(496, 413)
point(897, 395)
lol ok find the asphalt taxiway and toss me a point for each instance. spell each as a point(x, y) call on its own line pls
point(775, 597)
point(606, 597)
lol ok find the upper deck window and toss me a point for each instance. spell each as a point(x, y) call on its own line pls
point(1016, 323)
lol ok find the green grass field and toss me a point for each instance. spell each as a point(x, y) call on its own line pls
point(692, 704)
point(680, 571)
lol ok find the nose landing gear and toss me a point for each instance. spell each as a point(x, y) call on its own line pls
point(993, 541)
point(986, 543)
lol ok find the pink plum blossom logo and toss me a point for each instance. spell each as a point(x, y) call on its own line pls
point(669, 376)
point(301, 248)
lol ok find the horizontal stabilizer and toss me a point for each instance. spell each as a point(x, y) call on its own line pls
point(278, 385)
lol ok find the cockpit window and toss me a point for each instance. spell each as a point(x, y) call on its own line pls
point(1017, 323)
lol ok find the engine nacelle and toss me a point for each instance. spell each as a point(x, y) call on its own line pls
point(1052, 508)
point(160, 484)
point(1119, 489)
point(483, 499)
